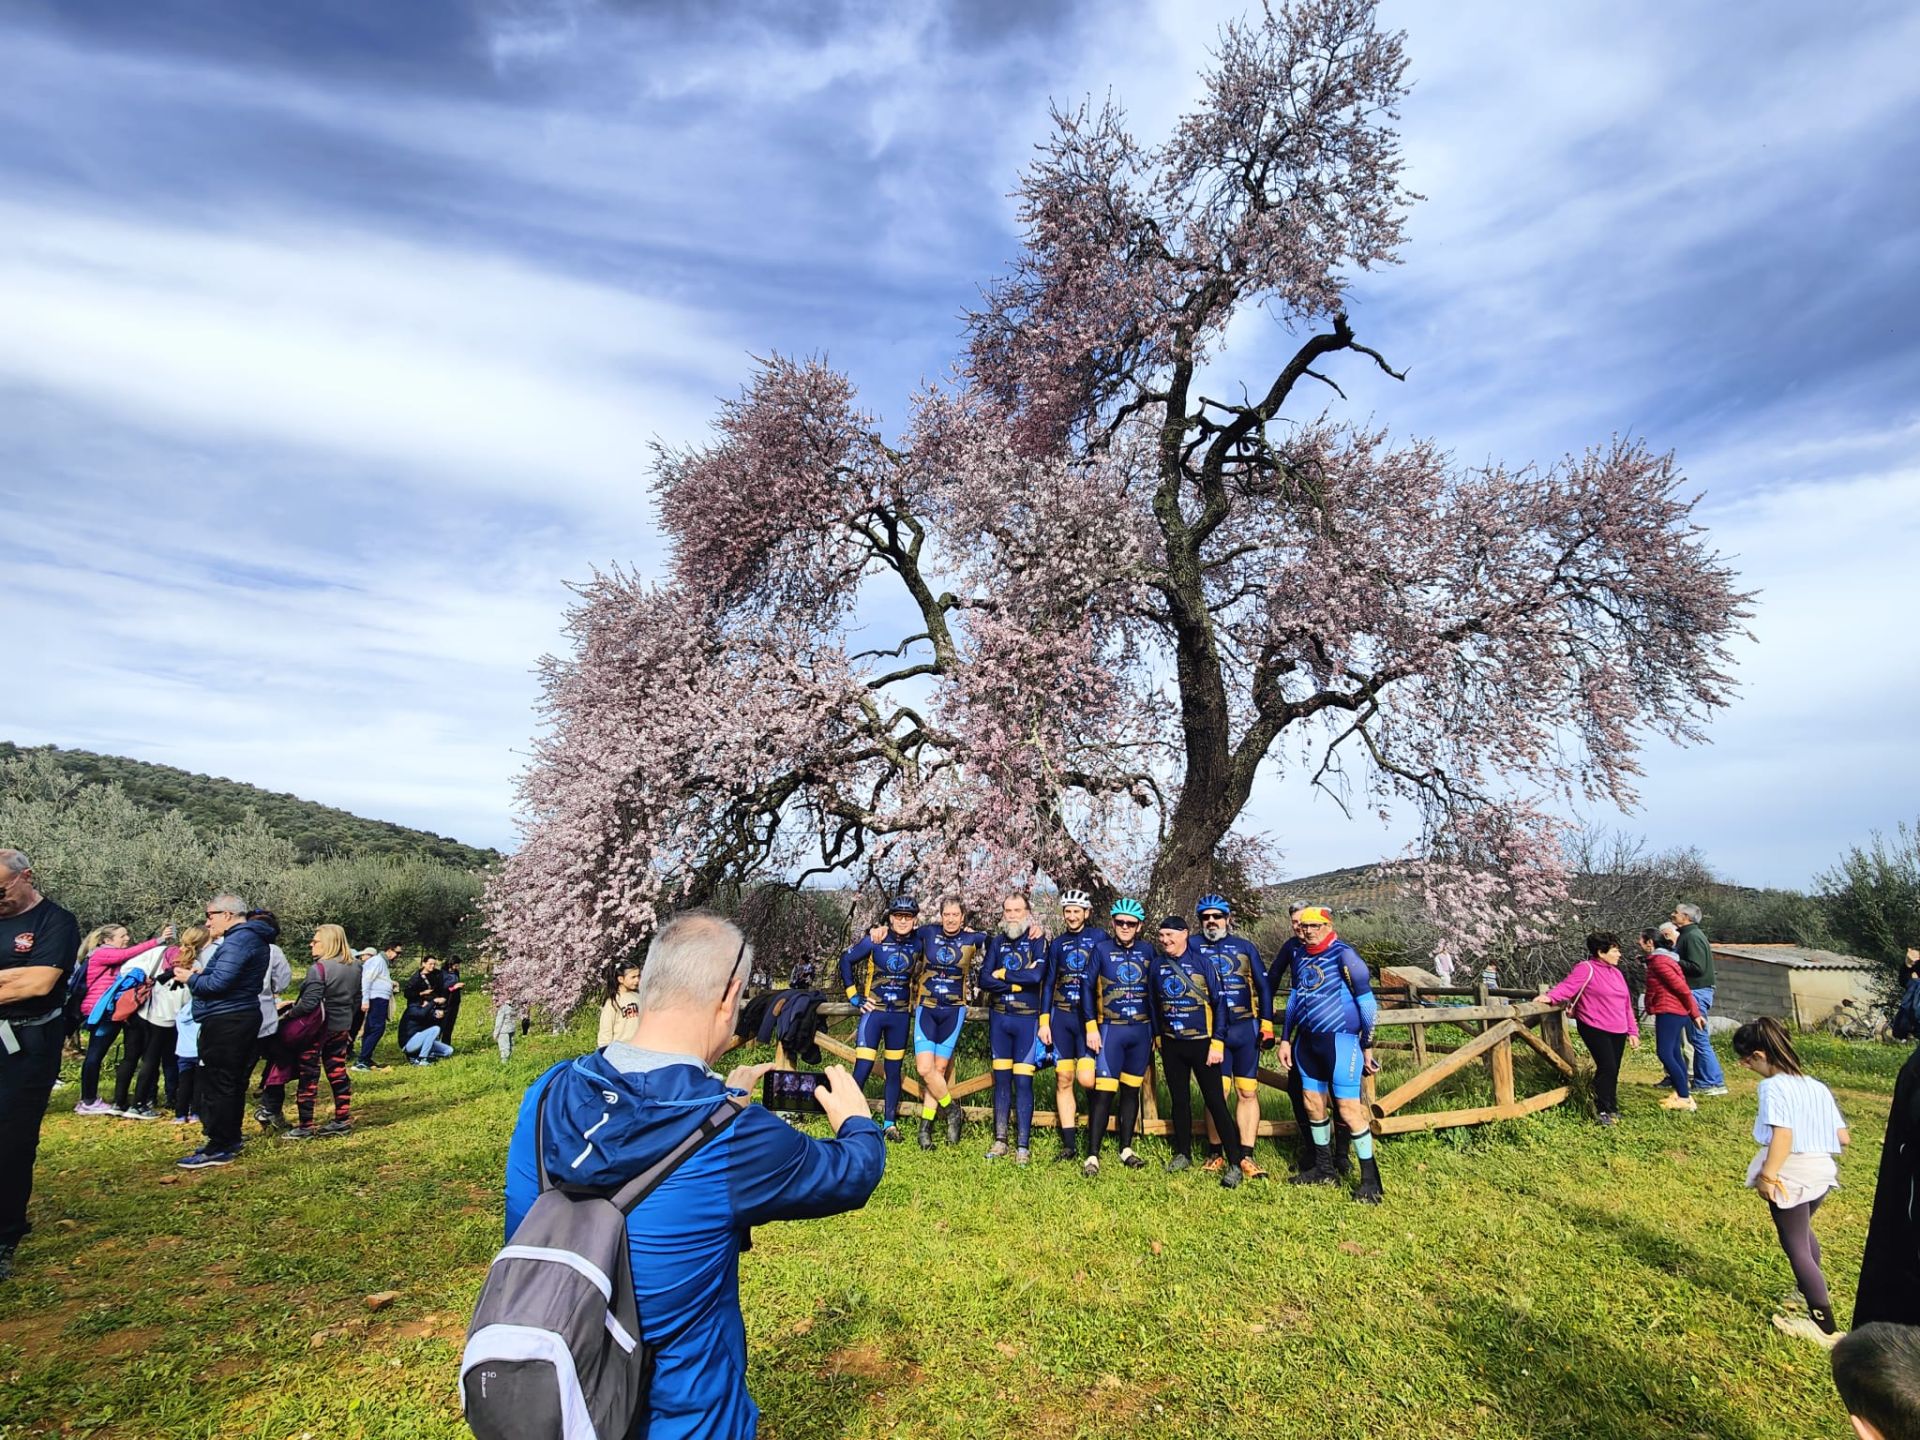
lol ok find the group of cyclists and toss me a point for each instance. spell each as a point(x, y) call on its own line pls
point(1097, 1004)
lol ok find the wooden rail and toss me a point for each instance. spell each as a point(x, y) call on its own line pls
point(1501, 1018)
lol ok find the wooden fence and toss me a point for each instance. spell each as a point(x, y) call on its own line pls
point(1496, 1020)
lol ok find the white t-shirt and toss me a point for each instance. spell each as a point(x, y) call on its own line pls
point(1805, 1107)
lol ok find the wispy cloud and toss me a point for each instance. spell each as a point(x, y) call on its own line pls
point(328, 355)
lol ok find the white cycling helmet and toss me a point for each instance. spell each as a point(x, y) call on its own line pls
point(1076, 897)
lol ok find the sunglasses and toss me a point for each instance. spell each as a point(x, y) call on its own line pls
point(1126, 924)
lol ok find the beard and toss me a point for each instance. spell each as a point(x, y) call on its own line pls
point(1013, 929)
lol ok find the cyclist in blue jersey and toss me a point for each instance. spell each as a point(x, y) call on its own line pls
point(1068, 957)
point(1249, 1010)
point(877, 975)
point(1116, 1014)
point(949, 961)
point(1189, 1030)
point(1012, 976)
point(1279, 981)
point(1328, 1033)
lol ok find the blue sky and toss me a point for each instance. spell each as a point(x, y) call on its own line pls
point(333, 338)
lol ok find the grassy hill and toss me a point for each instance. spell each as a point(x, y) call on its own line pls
point(1540, 1280)
point(212, 803)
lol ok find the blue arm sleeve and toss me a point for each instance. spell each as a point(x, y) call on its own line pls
point(1033, 969)
point(1261, 983)
point(996, 946)
point(1361, 984)
point(1090, 986)
point(855, 953)
point(780, 1174)
point(1216, 1001)
point(523, 1174)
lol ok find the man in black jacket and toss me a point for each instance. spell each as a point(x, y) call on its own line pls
point(39, 942)
point(1889, 1286)
point(226, 1006)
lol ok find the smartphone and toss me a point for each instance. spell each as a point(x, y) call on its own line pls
point(790, 1090)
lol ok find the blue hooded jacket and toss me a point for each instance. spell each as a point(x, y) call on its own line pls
point(236, 971)
point(606, 1125)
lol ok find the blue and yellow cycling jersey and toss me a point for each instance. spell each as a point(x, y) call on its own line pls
point(1186, 997)
point(1243, 979)
point(947, 964)
point(1012, 973)
point(1069, 957)
point(881, 973)
point(1332, 993)
point(1115, 991)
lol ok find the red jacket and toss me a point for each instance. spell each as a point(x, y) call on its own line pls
point(1667, 992)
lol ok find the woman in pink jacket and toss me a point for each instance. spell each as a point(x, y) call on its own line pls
point(1602, 1005)
point(105, 951)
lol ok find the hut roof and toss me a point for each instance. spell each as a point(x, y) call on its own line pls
point(1794, 957)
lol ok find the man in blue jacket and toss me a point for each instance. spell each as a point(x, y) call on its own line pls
point(617, 1111)
point(226, 1007)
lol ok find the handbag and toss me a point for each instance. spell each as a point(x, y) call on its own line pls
point(303, 1032)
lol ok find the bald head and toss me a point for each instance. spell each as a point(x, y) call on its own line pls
point(692, 961)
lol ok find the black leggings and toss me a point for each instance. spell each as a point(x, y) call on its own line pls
point(1795, 1228)
point(1608, 1050)
point(143, 1050)
point(1183, 1060)
point(1127, 1111)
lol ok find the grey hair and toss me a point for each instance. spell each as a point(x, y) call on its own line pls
point(1670, 931)
point(692, 960)
point(1692, 912)
point(15, 861)
point(1296, 907)
point(227, 900)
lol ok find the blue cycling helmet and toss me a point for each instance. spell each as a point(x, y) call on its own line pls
point(904, 905)
point(1212, 902)
point(1130, 909)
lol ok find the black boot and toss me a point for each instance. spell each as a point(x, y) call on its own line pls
point(956, 1120)
point(1321, 1172)
point(926, 1134)
point(1369, 1191)
point(1069, 1144)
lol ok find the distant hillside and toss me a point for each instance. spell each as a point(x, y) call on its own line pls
point(210, 802)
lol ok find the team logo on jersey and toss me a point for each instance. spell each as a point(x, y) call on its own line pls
point(23, 942)
point(1128, 972)
point(945, 952)
point(1074, 962)
point(1312, 974)
point(1223, 966)
point(894, 962)
point(1173, 985)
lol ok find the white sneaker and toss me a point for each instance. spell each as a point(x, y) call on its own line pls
point(1710, 1090)
point(1803, 1328)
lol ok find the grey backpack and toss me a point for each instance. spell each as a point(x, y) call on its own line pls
point(554, 1351)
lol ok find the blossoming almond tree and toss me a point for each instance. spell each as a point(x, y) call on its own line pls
point(1125, 582)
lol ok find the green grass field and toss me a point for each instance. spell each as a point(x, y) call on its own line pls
point(1542, 1278)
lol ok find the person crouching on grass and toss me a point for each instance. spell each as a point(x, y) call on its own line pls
point(1802, 1130)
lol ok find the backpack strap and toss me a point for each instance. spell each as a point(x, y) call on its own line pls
point(628, 1197)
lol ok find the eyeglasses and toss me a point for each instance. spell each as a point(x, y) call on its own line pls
point(1211, 915)
point(212, 913)
point(1126, 924)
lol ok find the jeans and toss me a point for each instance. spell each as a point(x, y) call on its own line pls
point(1668, 1031)
point(228, 1044)
point(425, 1045)
point(1706, 1065)
point(374, 1027)
point(26, 1080)
point(185, 1085)
point(99, 1041)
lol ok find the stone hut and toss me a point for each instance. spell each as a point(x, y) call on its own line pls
point(1800, 986)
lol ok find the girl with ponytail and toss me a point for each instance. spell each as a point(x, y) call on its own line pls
point(1802, 1130)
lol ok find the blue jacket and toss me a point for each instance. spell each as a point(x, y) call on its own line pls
point(1184, 991)
point(1332, 994)
point(604, 1127)
point(236, 972)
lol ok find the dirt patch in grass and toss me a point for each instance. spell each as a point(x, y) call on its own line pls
point(25, 1332)
point(871, 1365)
